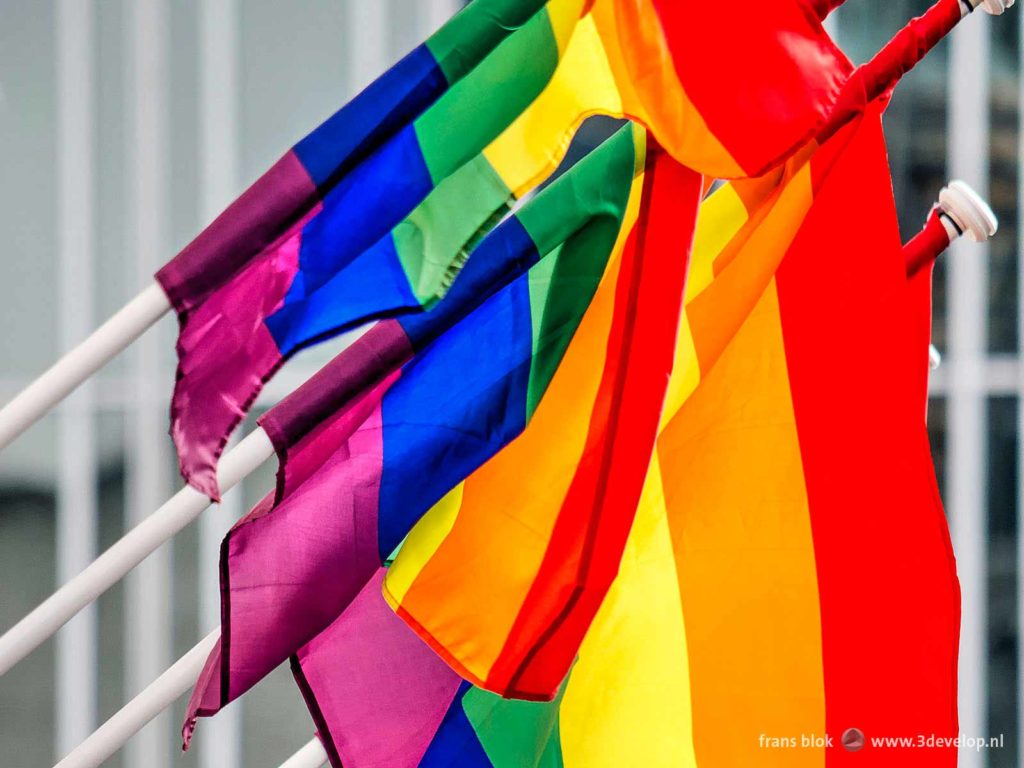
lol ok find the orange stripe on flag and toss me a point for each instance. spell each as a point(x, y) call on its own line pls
point(594, 521)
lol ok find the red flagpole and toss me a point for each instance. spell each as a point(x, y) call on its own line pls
point(899, 56)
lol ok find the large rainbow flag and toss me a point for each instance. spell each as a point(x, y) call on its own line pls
point(362, 459)
point(374, 212)
point(812, 513)
point(788, 575)
point(738, 484)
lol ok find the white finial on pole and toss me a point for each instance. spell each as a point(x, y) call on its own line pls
point(994, 7)
point(959, 211)
point(991, 7)
point(971, 215)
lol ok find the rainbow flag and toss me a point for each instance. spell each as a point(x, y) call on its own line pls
point(568, 486)
point(251, 289)
point(787, 576)
point(798, 482)
point(379, 699)
point(375, 212)
point(671, 59)
point(444, 581)
point(362, 458)
point(387, 707)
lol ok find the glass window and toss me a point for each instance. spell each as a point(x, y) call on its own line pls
point(1002, 578)
point(1003, 193)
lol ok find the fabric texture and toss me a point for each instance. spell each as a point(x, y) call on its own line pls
point(568, 487)
point(361, 459)
point(374, 213)
point(730, 615)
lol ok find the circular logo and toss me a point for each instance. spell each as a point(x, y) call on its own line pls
point(853, 739)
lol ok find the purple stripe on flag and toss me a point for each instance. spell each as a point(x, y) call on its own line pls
point(205, 699)
point(376, 691)
point(225, 355)
point(297, 564)
point(379, 352)
point(268, 208)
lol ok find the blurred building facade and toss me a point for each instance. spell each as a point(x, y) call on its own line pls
point(126, 125)
point(957, 116)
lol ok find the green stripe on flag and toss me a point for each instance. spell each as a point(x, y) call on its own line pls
point(577, 221)
point(434, 241)
point(460, 44)
point(478, 108)
point(515, 733)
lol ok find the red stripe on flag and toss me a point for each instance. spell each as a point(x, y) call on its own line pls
point(887, 584)
point(587, 542)
point(784, 71)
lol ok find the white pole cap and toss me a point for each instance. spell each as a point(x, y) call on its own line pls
point(994, 7)
point(970, 213)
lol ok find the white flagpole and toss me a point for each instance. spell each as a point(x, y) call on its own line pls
point(134, 715)
point(156, 698)
point(82, 362)
point(128, 552)
point(313, 755)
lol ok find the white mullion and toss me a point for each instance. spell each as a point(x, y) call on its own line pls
point(219, 743)
point(148, 628)
point(368, 41)
point(436, 13)
point(77, 505)
point(968, 279)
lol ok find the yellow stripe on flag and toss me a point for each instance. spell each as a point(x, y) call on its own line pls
point(422, 542)
point(582, 86)
point(628, 697)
